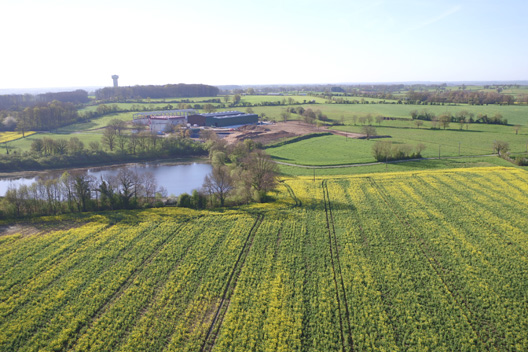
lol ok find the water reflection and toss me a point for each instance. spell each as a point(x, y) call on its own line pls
point(175, 178)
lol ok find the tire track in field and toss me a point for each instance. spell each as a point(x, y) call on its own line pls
point(110, 301)
point(218, 318)
point(298, 203)
point(337, 273)
point(433, 262)
point(367, 251)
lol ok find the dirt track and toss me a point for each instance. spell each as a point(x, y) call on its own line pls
point(266, 134)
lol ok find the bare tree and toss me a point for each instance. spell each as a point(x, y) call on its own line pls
point(517, 128)
point(501, 147)
point(109, 137)
point(260, 172)
point(219, 183)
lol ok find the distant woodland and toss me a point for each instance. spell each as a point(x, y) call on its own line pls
point(156, 92)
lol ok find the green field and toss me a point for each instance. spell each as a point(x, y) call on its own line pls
point(425, 260)
point(324, 150)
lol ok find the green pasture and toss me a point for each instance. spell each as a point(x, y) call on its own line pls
point(324, 150)
point(515, 114)
point(339, 150)
point(96, 124)
point(398, 166)
point(476, 140)
point(24, 144)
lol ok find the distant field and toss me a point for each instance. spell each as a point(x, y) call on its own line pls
point(401, 166)
point(11, 136)
point(337, 150)
point(96, 123)
point(477, 139)
point(325, 150)
point(24, 144)
point(415, 261)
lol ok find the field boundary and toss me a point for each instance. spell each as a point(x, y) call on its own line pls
point(336, 166)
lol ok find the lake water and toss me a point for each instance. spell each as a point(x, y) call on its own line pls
point(175, 178)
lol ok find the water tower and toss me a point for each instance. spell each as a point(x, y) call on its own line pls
point(115, 77)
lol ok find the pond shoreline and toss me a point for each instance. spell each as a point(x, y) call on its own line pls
point(163, 161)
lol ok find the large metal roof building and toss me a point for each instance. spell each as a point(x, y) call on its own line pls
point(223, 119)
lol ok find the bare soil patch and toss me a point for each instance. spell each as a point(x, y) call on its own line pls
point(40, 228)
point(267, 134)
point(24, 230)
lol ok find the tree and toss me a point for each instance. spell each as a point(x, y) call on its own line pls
point(10, 123)
point(61, 146)
point(285, 115)
point(75, 145)
point(379, 119)
point(109, 137)
point(362, 120)
point(94, 146)
point(249, 110)
point(126, 180)
point(444, 120)
point(418, 123)
point(369, 131)
point(209, 108)
point(369, 118)
point(236, 98)
point(37, 145)
point(219, 182)
point(517, 128)
point(82, 189)
point(118, 125)
point(260, 172)
point(501, 147)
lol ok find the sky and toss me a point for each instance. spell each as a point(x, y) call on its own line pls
point(71, 43)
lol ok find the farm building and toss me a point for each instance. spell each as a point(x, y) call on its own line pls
point(223, 119)
point(160, 121)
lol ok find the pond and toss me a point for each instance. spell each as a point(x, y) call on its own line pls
point(175, 178)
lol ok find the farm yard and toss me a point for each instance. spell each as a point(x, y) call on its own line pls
point(423, 260)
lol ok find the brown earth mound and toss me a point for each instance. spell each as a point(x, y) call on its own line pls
point(267, 134)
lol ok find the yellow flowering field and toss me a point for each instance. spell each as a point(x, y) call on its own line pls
point(429, 260)
point(11, 136)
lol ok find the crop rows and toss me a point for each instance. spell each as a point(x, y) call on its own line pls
point(410, 261)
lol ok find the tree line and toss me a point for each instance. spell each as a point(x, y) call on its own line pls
point(460, 97)
point(114, 146)
point(463, 117)
point(241, 173)
point(80, 192)
point(17, 102)
point(388, 151)
point(44, 116)
point(156, 92)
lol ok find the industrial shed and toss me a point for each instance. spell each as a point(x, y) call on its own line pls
point(223, 119)
point(160, 121)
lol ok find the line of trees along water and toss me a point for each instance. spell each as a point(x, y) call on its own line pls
point(241, 173)
point(78, 192)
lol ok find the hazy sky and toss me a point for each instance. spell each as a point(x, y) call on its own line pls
point(58, 43)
